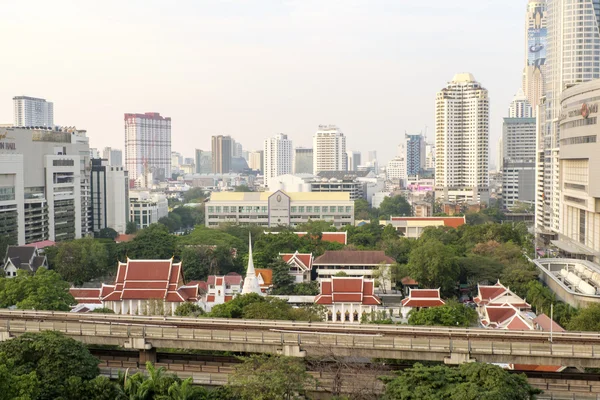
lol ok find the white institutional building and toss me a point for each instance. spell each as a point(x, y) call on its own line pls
point(573, 44)
point(279, 155)
point(31, 111)
point(462, 141)
point(329, 150)
point(148, 145)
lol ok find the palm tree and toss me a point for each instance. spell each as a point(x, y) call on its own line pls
point(183, 390)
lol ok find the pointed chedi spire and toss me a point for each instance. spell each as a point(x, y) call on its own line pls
point(251, 281)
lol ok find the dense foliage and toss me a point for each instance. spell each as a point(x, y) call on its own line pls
point(450, 314)
point(188, 310)
point(587, 319)
point(262, 377)
point(469, 381)
point(81, 260)
point(254, 306)
point(44, 290)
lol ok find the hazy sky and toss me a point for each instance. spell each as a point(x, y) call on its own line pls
point(252, 69)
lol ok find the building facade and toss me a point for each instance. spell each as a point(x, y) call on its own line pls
point(146, 208)
point(110, 196)
point(44, 184)
point(573, 43)
point(354, 160)
point(415, 154)
point(518, 165)
point(303, 160)
point(33, 112)
point(579, 166)
point(271, 209)
point(462, 141)
point(148, 146)
point(222, 150)
point(534, 73)
point(113, 156)
point(278, 153)
point(329, 147)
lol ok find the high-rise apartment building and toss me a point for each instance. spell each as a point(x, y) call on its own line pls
point(279, 155)
point(329, 150)
point(303, 160)
point(113, 156)
point(354, 160)
point(534, 73)
point(148, 146)
point(573, 56)
point(256, 160)
point(221, 154)
point(520, 107)
point(44, 184)
point(110, 196)
point(462, 141)
point(415, 154)
point(203, 162)
point(430, 156)
point(31, 111)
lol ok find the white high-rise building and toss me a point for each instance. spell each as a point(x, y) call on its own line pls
point(573, 56)
point(462, 141)
point(329, 150)
point(279, 156)
point(113, 156)
point(31, 111)
point(354, 160)
point(430, 156)
point(520, 107)
point(534, 73)
point(500, 156)
point(148, 145)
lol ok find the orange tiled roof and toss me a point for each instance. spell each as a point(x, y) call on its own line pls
point(347, 290)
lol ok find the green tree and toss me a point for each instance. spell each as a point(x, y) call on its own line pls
point(262, 377)
point(243, 188)
point(363, 210)
point(131, 228)
point(394, 206)
point(52, 357)
point(195, 195)
point(587, 319)
point(450, 314)
point(316, 228)
point(45, 290)
point(283, 282)
point(172, 222)
point(469, 381)
point(80, 260)
point(154, 242)
point(103, 310)
point(434, 265)
point(189, 310)
point(13, 386)
point(107, 233)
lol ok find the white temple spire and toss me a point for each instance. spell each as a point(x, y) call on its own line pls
point(251, 281)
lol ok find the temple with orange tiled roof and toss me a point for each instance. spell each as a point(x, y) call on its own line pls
point(347, 299)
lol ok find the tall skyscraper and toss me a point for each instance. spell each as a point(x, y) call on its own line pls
point(256, 161)
point(31, 111)
point(573, 56)
point(517, 153)
point(113, 156)
point(396, 168)
point(278, 154)
point(110, 196)
point(534, 73)
point(430, 156)
point(221, 154)
point(148, 145)
point(329, 150)
point(303, 160)
point(462, 141)
point(354, 160)
point(198, 160)
point(415, 154)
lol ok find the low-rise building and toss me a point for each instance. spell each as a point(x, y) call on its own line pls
point(143, 287)
point(221, 289)
point(354, 263)
point(26, 258)
point(146, 208)
point(279, 208)
point(413, 227)
point(265, 279)
point(420, 298)
point(300, 265)
point(348, 299)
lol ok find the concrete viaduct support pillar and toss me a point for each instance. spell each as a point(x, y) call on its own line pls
point(147, 352)
point(4, 336)
point(458, 358)
point(292, 350)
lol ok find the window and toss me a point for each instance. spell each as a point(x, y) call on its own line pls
point(355, 316)
point(294, 209)
point(340, 209)
point(329, 316)
point(347, 316)
point(309, 209)
point(211, 209)
point(301, 209)
point(317, 209)
point(225, 209)
point(348, 209)
point(338, 316)
point(332, 209)
point(218, 209)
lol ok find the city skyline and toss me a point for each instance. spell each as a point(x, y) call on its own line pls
point(363, 87)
